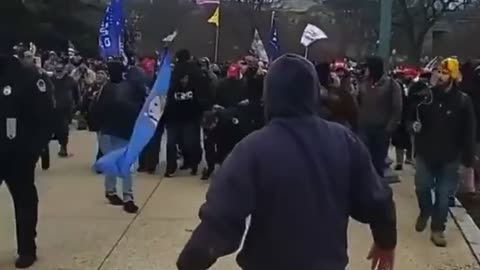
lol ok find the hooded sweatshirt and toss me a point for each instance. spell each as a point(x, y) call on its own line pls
point(294, 209)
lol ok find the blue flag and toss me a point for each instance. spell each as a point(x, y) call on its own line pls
point(120, 161)
point(273, 43)
point(112, 31)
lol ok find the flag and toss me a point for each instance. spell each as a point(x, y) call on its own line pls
point(119, 162)
point(206, 2)
point(257, 47)
point(273, 43)
point(311, 34)
point(215, 19)
point(112, 31)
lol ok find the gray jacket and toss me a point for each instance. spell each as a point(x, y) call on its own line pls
point(380, 104)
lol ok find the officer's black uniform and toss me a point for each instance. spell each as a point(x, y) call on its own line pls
point(26, 110)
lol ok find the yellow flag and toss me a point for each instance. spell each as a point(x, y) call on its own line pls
point(215, 19)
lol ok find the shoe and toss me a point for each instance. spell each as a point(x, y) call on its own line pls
point(169, 174)
point(421, 223)
point(63, 153)
point(409, 162)
point(194, 170)
point(25, 261)
point(451, 201)
point(206, 173)
point(130, 207)
point(438, 239)
point(113, 199)
point(398, 167)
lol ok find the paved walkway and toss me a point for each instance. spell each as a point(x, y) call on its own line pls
point(79, 231)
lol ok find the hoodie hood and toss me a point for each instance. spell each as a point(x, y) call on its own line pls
point(291, 88)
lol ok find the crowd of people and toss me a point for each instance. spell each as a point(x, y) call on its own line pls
point(333, 125)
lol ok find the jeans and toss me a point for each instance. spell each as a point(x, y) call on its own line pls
point(377, 142)
point(443, 180)
point(108, 144)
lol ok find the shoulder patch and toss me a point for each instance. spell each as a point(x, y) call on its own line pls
point(41, 85)
point(7, 90)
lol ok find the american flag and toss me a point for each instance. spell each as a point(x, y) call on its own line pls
point(205, 2)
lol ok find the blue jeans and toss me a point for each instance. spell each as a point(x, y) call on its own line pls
point(108, 144)
point(443, 180)
point(377, 142)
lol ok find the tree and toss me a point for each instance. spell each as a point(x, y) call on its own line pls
point(415, 18)
point(358, 23)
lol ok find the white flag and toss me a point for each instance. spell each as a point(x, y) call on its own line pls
point(258, 49)
point(312, 34)
point(170, 37)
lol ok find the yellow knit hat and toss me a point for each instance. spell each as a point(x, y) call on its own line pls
point(451, 66)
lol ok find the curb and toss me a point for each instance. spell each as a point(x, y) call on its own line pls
point(468, 228)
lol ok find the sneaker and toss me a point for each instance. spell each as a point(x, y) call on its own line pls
point(113, 199)
point(421, 223)
point(130, 207)
point(438, 239)
point(25, 261)
point(169, 174)
point(398, 167)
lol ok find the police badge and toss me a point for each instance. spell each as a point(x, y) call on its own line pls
point(42, 86)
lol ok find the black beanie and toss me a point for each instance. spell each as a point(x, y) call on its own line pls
point(376, 68)
point(116, 70)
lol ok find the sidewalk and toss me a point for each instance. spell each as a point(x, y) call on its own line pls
point(79, 231)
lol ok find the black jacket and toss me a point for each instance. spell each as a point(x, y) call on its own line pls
point(26, 112)
point(448, 128)
point(185, 103)
point(117, 109)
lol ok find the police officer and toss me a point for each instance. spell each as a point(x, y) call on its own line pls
point(26, 110)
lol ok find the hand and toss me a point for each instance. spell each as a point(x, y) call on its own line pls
point(244, 102)
point(381, 259)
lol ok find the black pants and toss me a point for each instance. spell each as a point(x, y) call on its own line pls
point(187, 135)
point(210, 147)
point(150, 156)
point(45, 158)
point(20, 180)
point(62, 122)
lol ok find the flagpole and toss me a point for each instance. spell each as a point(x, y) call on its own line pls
point(306, 51)
point(272, 18)
point(217, 35)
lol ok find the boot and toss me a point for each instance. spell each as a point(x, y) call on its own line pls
point(206, 173)
point(438, 239)
point(421, 223)
point(25, 261)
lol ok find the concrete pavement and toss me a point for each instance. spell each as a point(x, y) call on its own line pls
point(79, 231)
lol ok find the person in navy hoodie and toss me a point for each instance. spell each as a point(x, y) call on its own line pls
point(299, 210)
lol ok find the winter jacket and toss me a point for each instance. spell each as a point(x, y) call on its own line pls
point(300, 178)
point(117, 109)
point(448, 128)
